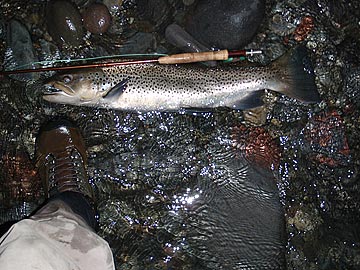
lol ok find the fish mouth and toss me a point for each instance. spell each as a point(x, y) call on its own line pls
point(56, 88)
point(51, 90)
point(58, 93)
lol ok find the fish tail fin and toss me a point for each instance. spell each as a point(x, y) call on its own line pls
point(296, 77)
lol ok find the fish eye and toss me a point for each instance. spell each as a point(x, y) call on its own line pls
point(67, 78)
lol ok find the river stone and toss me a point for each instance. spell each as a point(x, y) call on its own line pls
point(97, 18)
point(157, 13)
point(229, 24)
point(20, 52)
point(63, 22)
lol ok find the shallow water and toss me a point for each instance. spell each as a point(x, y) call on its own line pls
point(170, 186)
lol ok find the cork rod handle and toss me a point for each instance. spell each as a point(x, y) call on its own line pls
point(194, 57)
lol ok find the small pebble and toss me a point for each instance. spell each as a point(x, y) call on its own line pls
point(96, 18)
point(63, 22)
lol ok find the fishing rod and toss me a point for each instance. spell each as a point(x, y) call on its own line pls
point(182, 58)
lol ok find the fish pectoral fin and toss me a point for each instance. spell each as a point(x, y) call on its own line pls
point(117, 90)
point(251, 100)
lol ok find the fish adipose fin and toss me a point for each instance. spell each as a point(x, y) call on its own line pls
point(117, 90)
point(296, 77)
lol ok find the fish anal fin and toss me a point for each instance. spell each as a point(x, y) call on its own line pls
point(194, 110)
point(117, 90)
point(252, 100)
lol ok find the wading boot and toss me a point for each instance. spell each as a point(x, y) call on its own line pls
point(61, 159)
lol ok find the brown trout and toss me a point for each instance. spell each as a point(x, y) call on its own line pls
point(148, 87)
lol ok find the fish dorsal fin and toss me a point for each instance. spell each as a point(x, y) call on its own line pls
point(117, 90)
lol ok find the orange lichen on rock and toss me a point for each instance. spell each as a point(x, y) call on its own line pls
point(305, 27)
point(302, 30)
point(257, 145)
point(327, 138)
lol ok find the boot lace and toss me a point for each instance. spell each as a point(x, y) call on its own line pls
point(66, 171)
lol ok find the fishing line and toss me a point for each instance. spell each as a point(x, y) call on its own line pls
point(182, 58)
point(48, 62)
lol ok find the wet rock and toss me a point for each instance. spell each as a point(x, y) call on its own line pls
point(304, 221)
point(2, 29)
point(48, 52)
point(255, 116)
point(121, 19)
point(22, 179)
point(257, 145)
point(113, 4)
point(280, 25)
point(96, 18)
point(157, 13)
point(20, 52)
point(139, 43)
point(226, 24)
point(303, 29)
point(82, 3)
point(188, 2)
point(352, 86)
point(64, 24)
point(326, 140)
point(178, 37)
